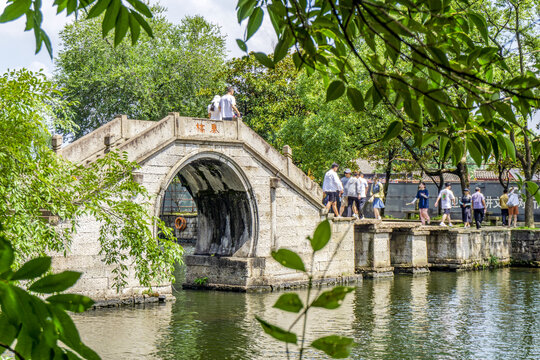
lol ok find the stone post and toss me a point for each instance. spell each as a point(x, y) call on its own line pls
point(287, 152)
point(274, 182)
point(57, 141)
point(123, 125)
point(107, 141)
point(372, 250)
point(408, 250)
point(177, 126)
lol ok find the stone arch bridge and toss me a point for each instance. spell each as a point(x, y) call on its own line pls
point(250, 199)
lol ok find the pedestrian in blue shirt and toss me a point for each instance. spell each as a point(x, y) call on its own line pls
point(423, 203)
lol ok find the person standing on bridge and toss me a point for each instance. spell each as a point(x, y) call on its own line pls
point(213, 109)
point(465, 203)
point(362, 195)
point(513, 203)
point(447, 199)
point(503, 202)
point(345, 197)
point(333, 188)
point(353, 199)
point(227, 105)
point(479, 207)
point(423, 203)
point(378, 197)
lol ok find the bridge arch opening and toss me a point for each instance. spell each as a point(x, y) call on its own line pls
point(226, 210)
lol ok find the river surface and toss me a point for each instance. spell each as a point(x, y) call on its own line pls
point(470, 315)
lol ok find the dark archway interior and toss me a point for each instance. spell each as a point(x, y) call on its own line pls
point(223, 203)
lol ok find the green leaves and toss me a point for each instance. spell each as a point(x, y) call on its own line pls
point(33, 269)
point(254, 22)
point(38, 326)
point(332, 299)
point(338, 347)
point(289, 259)
point(335, 90)
point(393, 130)
point(241, 44)
point(355, 98)
point(6, 255)
point(15, 10)
point(117, 15)
point(55, 283)
point(289, 302)
point(277, 332)
point(71, 302)
point(264, 60)
point(321, 236)
point(480, 24)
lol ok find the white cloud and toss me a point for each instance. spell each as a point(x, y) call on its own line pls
point(18, 47)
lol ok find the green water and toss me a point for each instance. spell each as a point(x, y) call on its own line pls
point(471, 315)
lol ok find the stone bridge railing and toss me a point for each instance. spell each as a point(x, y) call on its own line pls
point(142, 139)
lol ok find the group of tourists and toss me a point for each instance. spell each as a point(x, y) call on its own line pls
point(223, 107)
point(348, 196)
point(471, 205)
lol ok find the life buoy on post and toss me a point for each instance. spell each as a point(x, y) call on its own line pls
point(180, 223)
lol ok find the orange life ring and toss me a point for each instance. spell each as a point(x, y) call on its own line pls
point(180, 223)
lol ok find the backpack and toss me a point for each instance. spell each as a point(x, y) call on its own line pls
point(376, 188)
point(513, 200)
point(213, 107)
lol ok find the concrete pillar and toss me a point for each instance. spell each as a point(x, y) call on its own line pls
point(123, 125)
point(274, 182)
point(287, 152)
point(372, 250)
point(107, 141)
point(57, 141)
point(176, 117)
point(408, 250)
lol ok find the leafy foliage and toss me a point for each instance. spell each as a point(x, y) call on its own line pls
point(335, 346)
point(45, 196)
point(41, 327)
point(427, 62)
point(119, 15)
point(266, 98)
point(173, 71)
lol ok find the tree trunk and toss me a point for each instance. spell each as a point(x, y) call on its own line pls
point(462, 171)
point(388, 173)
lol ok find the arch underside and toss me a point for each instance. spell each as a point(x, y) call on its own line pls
point(225, 218)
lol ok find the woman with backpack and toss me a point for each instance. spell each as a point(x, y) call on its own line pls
point(213, 109)
point(513, 202)
point(378, 197)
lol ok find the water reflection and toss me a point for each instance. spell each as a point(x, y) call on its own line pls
point(471, 315)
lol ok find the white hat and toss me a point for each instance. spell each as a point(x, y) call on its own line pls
point(216, 98)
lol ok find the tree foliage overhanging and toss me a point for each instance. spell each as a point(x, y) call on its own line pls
point(36, 183)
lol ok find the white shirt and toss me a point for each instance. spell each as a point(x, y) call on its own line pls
point(446, 196)
point(226, 103)
point(216, 114)
point(363, 184)
point(332, 182)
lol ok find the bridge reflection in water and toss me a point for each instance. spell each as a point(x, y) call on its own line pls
point(471, 315)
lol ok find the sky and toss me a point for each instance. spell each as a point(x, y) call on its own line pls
point(18, 47)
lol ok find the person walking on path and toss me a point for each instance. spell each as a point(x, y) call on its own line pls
point(353, 199)
point(213, 109)
point(332, 187)
point(465, 202)
point(227, 105)
point(344, 197)
point(479, 207)
point(423, 203)
point(447, 199)
point(362, 195)
point(378, 197)
point(513, 203)
point(503, 202)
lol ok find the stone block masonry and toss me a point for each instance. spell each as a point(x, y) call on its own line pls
point(526, 247)
point(251, 200)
